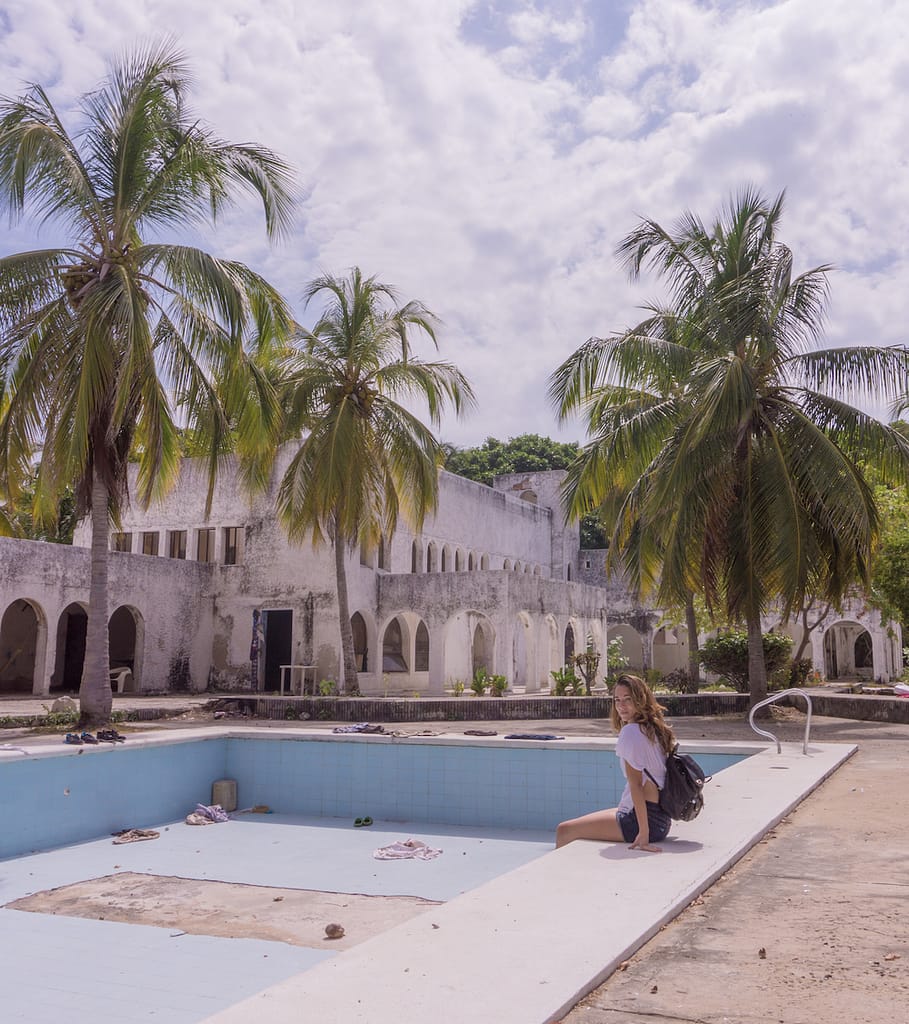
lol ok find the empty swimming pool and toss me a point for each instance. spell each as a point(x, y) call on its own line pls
point(492, 951)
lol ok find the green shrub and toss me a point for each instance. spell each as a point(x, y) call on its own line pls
point(480, 682)
point(498, 685)
point(678, 681)
point(328, 688)
point(457, 687)
point(566, 683)
point(727, 655)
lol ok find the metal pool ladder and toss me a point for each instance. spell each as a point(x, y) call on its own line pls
point(772, 699)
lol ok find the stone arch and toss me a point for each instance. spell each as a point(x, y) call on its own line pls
point(522, 656)
point(383, 560)
point(416, 557)
point(126, 641)
point(849, 652)
point(459, 560)
point(632, 645)
point(570, 644)
point(470, 562)
point(396, 646)
point(482, 647)
point(69, 648)
point(459, 654)
point(537, 571)
point(421, 648)
point(23, 645)
point(447, 563)
point(506, 565)
point(549, 653)
point(670, 649)
point(518, 567)
point(484, 562)
point(432, 557)
point(364, 638)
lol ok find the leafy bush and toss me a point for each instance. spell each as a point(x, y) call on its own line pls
point(566, 683)
point(727, 655)
point(328, 688)
point(480, 682)
point(498, 685)
point(678, 681)
point(616, 662)
point(457, 687)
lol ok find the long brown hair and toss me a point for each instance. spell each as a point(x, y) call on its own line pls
point(647, 713)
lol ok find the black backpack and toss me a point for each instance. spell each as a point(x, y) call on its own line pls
point(681, 796)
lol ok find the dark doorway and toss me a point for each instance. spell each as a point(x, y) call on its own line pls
point(71, 631)
point(278, 630)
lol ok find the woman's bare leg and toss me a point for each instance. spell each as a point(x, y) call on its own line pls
point(598, 825)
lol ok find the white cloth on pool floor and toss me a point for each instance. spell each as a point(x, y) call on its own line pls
point(406, 849)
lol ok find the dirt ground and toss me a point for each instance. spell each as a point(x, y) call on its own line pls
point(226, 909)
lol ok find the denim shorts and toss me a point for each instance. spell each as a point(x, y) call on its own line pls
point(657, 819)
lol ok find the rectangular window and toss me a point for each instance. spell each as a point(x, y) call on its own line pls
point(176, 544)
point(231, 545)
point(150, 543)
point(205, 545)
point(121, 542)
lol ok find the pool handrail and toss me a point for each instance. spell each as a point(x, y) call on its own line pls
point(772, 699)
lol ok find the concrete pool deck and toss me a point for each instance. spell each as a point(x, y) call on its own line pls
point(882, 755)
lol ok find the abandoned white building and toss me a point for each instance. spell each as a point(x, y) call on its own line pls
point(494, 579)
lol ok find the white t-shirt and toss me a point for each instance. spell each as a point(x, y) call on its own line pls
point(633, 747)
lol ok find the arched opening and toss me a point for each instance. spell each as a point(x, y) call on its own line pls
point(670, 649)
point(70, 649)
point(446, 559)
point(125, 641)
point(506, 565)
point(484, 562)
point(522, 654)
point(470, 562)
point(482, 648)
point(569, 645)
point(416, 557)
point(360, 641)
point(383, 554)
point(459, 560)
point(568, 573)
point(20, 648)
point(849, 652)
point(530, 496)
point(393, 658)
point(517, 567)
point(632, 646)
point(421, 648)
point(432, 557)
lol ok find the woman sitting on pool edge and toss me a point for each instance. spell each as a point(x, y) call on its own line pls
point(645, 741)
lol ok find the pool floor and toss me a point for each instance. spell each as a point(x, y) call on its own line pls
point(76, 969)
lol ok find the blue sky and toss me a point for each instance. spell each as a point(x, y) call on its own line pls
point(487, 157)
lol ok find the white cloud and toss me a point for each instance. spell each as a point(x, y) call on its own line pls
point(491, 174)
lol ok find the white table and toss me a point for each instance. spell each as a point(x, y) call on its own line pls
point(298, 673)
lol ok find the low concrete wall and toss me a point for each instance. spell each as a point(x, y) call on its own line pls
point(470, 709)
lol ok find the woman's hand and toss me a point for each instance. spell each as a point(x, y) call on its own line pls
point(644, 844)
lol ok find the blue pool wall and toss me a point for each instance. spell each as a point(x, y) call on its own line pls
point(52, 801)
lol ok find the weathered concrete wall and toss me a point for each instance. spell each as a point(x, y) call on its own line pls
point(170, 602)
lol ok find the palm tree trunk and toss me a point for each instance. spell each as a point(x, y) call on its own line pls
point(694, 664)
point(350, 685)
point(757, 667)
point(95, 699)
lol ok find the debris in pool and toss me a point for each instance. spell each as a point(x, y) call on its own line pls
point(134, 835)
point(334, 931)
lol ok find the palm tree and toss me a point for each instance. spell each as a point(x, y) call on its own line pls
point(365, 458)
point(723, 437)
point(105, 342)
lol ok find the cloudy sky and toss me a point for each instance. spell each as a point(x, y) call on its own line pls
point(486, 156)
